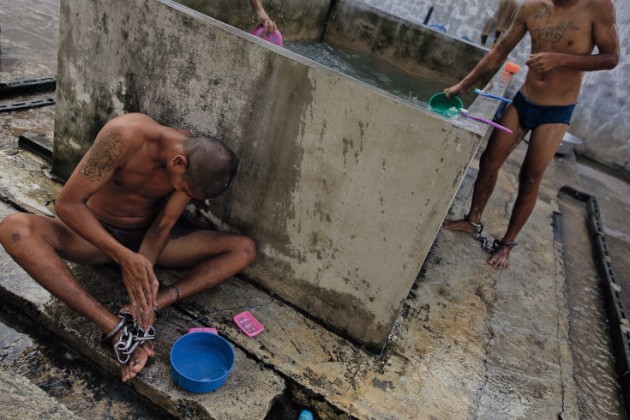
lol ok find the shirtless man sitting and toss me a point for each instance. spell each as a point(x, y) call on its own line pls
point(120, 205)
point(564, 34)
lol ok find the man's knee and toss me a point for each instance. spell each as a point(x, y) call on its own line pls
point(487, 162)
point(246, 249)
point(529, 182)
point(14, 228)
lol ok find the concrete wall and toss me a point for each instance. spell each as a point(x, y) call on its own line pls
point(297, 20)
point(600, 117)
point(343, 186)
point(412, 47)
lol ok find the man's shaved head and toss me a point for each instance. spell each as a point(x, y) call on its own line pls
point(211, 165)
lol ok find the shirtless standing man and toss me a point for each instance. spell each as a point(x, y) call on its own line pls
point(564, 34)
point(120, 205)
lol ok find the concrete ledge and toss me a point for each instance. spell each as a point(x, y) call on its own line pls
point(261, 386)
point(21, 399)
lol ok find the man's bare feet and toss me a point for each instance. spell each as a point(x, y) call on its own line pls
point(462, 225)
point(132, 345)
point(136, 362)
point(500, 259)
point(149, 346)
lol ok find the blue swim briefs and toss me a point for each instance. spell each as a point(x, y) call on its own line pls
point(531, 115)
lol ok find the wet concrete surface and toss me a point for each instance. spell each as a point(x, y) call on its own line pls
point(28, 351)
point(613, 195)
point(597, 385)
point(469, 343)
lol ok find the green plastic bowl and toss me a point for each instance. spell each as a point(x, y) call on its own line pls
point(445, 106)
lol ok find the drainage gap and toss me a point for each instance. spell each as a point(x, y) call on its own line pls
point(618, 323)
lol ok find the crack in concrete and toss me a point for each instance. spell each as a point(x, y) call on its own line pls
point(559, 264)
point(489, 305)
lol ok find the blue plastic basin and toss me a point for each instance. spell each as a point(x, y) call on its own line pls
point(201, 361)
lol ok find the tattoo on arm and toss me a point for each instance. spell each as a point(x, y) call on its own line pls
point(103, 155)
point(555, 33)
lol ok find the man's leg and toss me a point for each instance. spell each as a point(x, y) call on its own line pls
point(543, 144)
point(38, 244)
point(499, 147)
point(212, 256)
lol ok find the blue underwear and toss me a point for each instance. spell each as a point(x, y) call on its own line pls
point(532, 115)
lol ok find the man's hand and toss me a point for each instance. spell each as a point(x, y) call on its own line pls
point(454, 90)
point(142, 286)
point(268, 24)
point(543, 62)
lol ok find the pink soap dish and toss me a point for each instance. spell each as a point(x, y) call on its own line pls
point(248, 324)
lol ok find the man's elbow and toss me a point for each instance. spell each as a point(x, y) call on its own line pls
point(613, 60)
point(63, 207)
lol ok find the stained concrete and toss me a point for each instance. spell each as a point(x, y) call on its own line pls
point(411, 47)
point(297, 21)
point(342, 185)
point(21, 399)
point(469, 343)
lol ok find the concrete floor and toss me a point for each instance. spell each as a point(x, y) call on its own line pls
point(469, 343)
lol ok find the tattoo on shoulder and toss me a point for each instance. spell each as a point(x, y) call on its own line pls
point(104, 153)
point(542, 12)
point(555, 33)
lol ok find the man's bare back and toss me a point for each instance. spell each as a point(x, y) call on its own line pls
point(132, 196)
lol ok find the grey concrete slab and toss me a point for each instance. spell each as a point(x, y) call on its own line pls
point(261, 386)
point(597, 387)
point(21, 399)
point(613, 195)
point(468, 338)
point(29, 352)
point(29, 50)
point(469, 342)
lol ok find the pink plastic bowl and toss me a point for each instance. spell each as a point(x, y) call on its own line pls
point(275, 37)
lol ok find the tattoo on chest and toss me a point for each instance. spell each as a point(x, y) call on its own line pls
point(102, 156)
point(543, 12)
point(555, 33)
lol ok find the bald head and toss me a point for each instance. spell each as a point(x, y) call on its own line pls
point(211, 165)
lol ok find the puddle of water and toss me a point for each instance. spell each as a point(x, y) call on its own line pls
point(373, 70)
point(12, 344)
